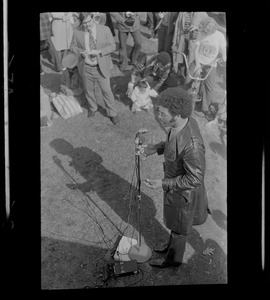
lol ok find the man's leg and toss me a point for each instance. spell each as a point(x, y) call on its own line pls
point(123, 60)
point(168, 44)
point(208, 89)
point(171, 81)
point(137, 46)
point(108, 97)
point(89, 85)
point(176, 248)
point(109, 23)
point(41, 69)
point(56, 56)
point(162, 31)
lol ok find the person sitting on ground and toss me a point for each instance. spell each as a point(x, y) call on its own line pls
point(140, 96)
point(71, 81)
point(156, 70)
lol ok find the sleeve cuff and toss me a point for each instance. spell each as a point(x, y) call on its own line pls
point(165, 184)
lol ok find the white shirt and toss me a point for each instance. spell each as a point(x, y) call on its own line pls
point(210, 46)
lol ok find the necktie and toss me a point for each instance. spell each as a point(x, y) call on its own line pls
point(92, 43)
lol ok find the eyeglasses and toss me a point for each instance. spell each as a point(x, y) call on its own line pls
point(93, 16)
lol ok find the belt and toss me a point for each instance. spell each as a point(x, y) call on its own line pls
point(94, 66)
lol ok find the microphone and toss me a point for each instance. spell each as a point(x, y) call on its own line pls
point(139, 138)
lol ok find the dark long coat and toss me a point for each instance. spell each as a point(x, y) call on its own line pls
point(185, 198)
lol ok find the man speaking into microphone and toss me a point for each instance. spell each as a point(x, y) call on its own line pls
point(185, 198)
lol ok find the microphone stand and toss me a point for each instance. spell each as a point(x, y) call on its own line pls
point(140, 252)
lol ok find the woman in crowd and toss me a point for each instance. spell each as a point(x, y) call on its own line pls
point(62, 32)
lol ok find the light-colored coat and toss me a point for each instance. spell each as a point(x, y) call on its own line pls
point(104, 42)
point(62, 30)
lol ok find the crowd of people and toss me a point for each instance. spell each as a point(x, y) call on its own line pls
point(80, 46)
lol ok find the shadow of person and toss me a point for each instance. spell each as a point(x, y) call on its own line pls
point(214, 262)
point(220, 218)
point(218, 148)
point(51, 82)
point(110, 188)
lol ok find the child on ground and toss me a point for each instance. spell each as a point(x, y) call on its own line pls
point(140, 96)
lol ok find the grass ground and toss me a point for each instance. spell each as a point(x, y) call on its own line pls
point(79, 226)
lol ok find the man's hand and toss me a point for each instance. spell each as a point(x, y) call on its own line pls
point(192, 28)
point(161, 15)
point(149, 149)
point(85, 53)
point(94, 52)
point(153, 183)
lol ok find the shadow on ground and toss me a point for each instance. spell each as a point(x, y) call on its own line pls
point(218, 148)
point(110, 188)
point(73, 265)
point(220, 218)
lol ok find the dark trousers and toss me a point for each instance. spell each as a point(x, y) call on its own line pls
point(109, 23)
point(123, 59)
point(151, 20)
point(207, 87)
point(164, 40)
point(176, 249)
point(56, 56)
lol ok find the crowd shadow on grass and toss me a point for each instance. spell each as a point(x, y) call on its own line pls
point(51, 81)
point(215, 264)
point(110, 188)
point(68, 265)
point(219, 148)
point(220, 218)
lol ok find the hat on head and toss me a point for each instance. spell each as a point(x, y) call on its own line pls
point(70, 61)
point(164, 58)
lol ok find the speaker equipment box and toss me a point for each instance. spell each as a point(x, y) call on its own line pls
point(122, 268)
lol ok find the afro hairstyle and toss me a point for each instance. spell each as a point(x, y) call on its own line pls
point(164, 58)
point(177, 101)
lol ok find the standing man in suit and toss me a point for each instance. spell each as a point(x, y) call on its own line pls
point(93, 43)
